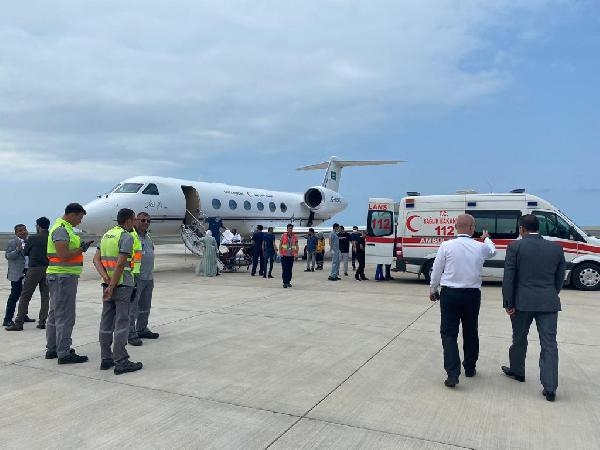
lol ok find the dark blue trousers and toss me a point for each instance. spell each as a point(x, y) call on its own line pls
point(257, 260)
point(287, 262)
point(11, 303)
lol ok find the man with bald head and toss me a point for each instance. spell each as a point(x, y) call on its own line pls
point(457, 269)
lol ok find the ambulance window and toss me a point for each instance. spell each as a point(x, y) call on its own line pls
point(232, 204)
point(216, 203)
point(500, 224)
point(553, 225)
point(247, 205)
point(380, 223)
point(272, 207)
point(151, 189)
point(260, 206)
point(128, 188)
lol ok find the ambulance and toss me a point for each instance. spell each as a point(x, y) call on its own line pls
point(409, 232)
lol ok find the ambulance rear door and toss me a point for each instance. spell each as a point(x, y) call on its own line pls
point(381, 231)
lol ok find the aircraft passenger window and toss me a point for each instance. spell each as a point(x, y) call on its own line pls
point(151, 189)
point(128, 188)
point(272, 207)
point(283, 207)
point(232, 204)
point(247, 205)
point(216, 203)
point(380, 223)
point(260, 206)
point(500, 224)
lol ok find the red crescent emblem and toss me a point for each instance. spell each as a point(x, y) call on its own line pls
point(408, 223)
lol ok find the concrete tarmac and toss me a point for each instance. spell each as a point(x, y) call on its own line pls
point(243, 363)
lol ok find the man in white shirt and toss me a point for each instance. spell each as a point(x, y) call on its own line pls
point(457, 269)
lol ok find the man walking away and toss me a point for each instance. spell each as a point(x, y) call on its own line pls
point(288, 250)
point(534, 273)
point(457, 269)
point(16, 270)
point(344, 249)
point(114, 262)
point(65, 264)
point(334, 245)
point(269, 251)
point(144, 282)
point(36, 250)
point(360, 256)
point(257, 251)
point(311, 250)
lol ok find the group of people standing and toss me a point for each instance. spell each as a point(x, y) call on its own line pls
point(534, 273)
point(53, 261)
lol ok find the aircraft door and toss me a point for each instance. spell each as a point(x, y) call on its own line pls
point(192, 205)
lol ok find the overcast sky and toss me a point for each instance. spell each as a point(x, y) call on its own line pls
point(487, 95)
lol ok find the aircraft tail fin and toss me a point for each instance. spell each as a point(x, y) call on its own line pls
point(334, 169)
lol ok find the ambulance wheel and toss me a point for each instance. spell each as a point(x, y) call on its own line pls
point(426, 271)
point(586, 277)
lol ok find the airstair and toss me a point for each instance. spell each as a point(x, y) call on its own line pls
point(192, 232)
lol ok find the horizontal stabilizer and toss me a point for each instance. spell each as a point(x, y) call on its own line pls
point(341, 163)
point(334, 169)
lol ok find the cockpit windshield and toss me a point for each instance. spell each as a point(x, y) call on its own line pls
point(128, 188)
point(151, 189)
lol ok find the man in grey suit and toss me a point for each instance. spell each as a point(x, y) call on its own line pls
point(16, 268)
point(534, 273)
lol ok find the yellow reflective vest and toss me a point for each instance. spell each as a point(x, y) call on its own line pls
point(109, 251)
point(64, 266)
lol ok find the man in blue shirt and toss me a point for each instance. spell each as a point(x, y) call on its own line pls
point(269, 251)
point(311, 250)
point(257, 251)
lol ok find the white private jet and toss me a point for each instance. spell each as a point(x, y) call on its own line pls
point(176, 204)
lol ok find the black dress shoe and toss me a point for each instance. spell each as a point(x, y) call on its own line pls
point(106, 364)
point(41, 326)
point(54, 355)
point(28, 319)
point(364, 278)
point(7, 323)
point(136, 342)
point(550, 396)
point(270, 276)
point(128, 366)
point(73, 358)
point(147, 334)
point(285, 285)
point(451, 382)
point(511, 374)
point(14, 327)
point(470, 373)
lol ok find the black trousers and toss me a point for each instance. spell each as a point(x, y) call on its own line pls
point(459, 306)
point(360, 272)
point(287, 262)
point(16, 287)
point(258, 260)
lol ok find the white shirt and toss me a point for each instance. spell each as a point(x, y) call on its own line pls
point(459, 262)
point(26, 257)
point(227, 237)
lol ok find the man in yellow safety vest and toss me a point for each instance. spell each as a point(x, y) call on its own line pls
point(114, 262)
point(65, 263)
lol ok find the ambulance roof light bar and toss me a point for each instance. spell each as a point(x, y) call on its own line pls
point(466, 191)
point(413, 194)
point(518, 191)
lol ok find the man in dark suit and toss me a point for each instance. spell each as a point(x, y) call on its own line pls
point(35, 277)
point(534, 273)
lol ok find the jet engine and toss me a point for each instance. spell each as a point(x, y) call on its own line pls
point(324, 201)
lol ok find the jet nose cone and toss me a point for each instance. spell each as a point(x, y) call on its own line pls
point(98, 217)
